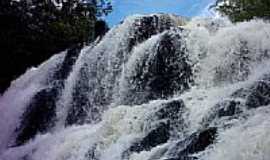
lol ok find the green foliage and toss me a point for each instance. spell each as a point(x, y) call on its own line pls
point(242, 10)
point(34, 30)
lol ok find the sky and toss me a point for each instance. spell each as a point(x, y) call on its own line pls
point(124, 8)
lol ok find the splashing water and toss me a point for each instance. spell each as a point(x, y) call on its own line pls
point(156, 87)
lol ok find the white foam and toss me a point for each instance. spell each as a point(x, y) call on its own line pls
point(18, 96)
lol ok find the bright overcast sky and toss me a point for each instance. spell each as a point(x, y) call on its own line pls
point(123, 8)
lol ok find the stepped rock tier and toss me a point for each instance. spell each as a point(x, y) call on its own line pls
point(155, 87)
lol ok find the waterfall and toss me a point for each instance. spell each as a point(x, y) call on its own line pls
point(155, 87)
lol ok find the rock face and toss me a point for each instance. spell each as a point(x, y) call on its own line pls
point(195, 143)
point(166, 119)
point(40, 115)
point(99, 79)
point(255, 95)
point(147, 26)
point(259, 95)
point(94, 83)
point(160, 72)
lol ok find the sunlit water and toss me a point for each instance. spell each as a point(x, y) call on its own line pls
point(225, 57)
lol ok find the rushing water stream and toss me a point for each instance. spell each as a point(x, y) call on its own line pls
point(156, 87)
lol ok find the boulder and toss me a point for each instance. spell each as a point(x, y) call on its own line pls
point(40, 114)
point(195, 143)
point(146, 26)
point(259, 95)
point(167, 118)
point(38, 117)
point(227, 109)
point(159, 72)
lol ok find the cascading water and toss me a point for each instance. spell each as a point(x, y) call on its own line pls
point(156, 87)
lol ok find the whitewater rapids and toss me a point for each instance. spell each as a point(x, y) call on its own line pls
point(148, 90)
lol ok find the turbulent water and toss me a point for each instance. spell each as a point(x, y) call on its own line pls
point(156, 87)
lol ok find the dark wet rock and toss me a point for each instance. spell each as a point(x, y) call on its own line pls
point(80, 103)
point(171, 110)
point(77, 114)
point(146, 26)
point(70, 59)
point(200, 141)
point(168, 117)
point(241, 93)
point(160, 73)
point(226, 109)
point(39, 115)
point(155, 137)
point(259, 95)
point(84, 108)
point(105, 72)
point(195, 143)
point(253, 96)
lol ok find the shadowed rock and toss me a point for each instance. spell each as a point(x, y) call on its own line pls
point(157, 136)
point(195, 143)
point(159, 73)
point(168, 117)
point(146, 26)
point(40, 115)
point(228, 109)
point(259, 95)
point(89, 99)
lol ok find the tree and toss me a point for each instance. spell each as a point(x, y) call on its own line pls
point(34, 30)
point(242, 10)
